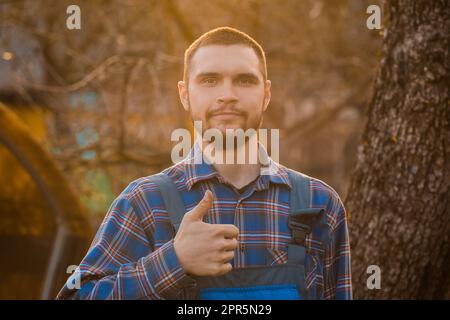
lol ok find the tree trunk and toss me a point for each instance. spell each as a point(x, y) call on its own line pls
point(399, 198)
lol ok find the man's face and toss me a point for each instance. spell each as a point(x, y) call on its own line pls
point(226, 88)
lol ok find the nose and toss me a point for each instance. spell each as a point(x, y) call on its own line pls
point(227, 94)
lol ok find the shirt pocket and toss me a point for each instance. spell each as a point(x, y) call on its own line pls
point(276, 255)
point(314, 264)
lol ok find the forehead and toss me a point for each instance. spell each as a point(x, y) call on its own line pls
point(225, 59)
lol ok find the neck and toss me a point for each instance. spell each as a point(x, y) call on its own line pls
point(236, 173)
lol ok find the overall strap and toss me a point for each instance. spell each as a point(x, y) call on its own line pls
point(172, 199)
point(300, 192)
point(301, 215)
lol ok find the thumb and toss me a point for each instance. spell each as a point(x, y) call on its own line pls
point(202, 207)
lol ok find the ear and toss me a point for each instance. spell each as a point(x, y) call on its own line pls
point(267, 94)
point(184, 95)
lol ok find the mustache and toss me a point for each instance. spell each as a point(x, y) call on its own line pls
point(212, 112)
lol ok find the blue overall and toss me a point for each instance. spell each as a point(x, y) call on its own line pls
point(283, 281)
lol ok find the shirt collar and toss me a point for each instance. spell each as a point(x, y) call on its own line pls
point(196, 169)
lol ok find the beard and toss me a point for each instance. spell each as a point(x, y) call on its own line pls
point(234, 143)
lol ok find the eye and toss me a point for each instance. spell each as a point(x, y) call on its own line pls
point(246, 81)
point(209, 81)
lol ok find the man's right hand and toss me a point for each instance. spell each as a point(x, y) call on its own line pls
point(205, 249)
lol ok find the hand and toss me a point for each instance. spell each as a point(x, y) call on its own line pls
point(205, 249)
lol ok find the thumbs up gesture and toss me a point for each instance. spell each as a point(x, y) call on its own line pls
point(205, 249)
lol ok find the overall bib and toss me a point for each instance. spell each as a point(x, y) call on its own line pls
point(276, 282)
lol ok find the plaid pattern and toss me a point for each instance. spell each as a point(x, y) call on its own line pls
point(132, 255)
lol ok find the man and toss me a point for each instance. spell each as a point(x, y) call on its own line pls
point(239, 232)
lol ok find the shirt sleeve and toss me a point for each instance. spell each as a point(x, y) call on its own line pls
point(337, 270)
point(121, 262)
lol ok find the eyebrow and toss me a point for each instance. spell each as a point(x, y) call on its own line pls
point(248, 75)
point(207, 74)
point(216, 74)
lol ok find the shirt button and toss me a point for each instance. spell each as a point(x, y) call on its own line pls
point(242, 247)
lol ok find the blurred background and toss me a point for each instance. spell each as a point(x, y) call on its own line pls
point(87, 111)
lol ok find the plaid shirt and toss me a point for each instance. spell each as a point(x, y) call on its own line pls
point(132, 255)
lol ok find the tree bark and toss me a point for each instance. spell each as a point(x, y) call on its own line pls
point(399, 198)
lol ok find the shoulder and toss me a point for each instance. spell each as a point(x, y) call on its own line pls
point(324, 196)
point(143, 193)
point(321, 191)
point(138, 187)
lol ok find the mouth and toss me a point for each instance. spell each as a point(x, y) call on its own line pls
point(226, 114)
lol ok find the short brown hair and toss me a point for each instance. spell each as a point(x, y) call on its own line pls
point(224, 36)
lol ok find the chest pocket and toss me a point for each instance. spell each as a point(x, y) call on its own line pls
point(276, 255)
point(314, 263)
point(279, 254)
